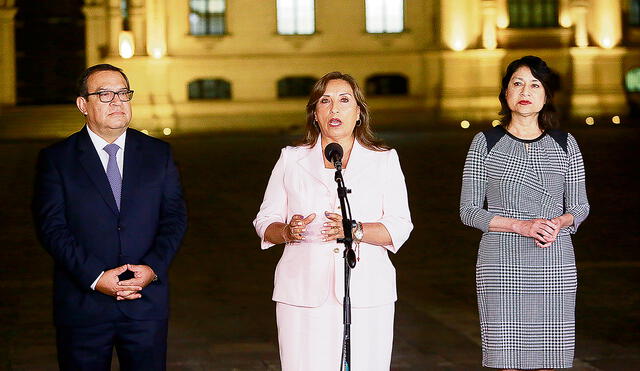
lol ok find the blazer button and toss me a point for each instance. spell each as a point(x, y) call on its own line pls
point(119, 228)
point(336, 250)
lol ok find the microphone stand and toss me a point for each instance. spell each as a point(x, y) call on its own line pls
point(349, 263)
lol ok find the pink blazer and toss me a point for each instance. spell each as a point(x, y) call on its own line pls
point(299, 184)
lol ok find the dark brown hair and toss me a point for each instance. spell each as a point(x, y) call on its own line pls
point(363, 132)
point(82, 81)
point(550, 82)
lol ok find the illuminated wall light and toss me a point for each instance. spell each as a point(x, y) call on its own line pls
point(606, 42)
point(565, 19)
point(144, 131)
point(495, 123)
point(458, 45)
point(502, 21)
point(166, 131)
point(615, 119)
point(157, 53)
point(126, 44)
point(465, 124)
point(590, 120)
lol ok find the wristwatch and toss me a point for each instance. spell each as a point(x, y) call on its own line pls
point(358, 233)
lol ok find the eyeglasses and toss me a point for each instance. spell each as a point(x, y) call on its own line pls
point(106, 96)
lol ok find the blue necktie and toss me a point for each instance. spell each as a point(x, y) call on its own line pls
point(113, 173)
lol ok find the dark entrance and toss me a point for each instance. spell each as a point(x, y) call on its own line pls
point(49, 50)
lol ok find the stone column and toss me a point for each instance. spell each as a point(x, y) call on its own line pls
point(8, 54)
point(489, 13)
point(162, 108)
point(137, 21)
point(156, 28)
point(579, 16)
point(597, 87)
point(95, 31)
point(115, 26)
point(459, 23)
point(605, 22)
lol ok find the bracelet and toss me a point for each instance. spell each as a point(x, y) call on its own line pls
point(357, 232)
point(358, 235)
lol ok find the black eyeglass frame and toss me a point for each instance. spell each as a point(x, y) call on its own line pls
point(128, 94)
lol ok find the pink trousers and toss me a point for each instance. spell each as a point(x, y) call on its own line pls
point(310, 339)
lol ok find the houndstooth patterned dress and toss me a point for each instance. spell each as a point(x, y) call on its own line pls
point(526, 294)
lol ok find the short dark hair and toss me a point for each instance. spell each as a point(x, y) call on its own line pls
point(363, 131)
point(550, 81)
point(82, 81)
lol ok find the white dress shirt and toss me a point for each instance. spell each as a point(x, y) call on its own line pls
point(99, 145)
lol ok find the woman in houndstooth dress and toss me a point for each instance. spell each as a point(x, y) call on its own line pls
point(532, 179)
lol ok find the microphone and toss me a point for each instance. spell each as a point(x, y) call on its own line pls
point(333, 153)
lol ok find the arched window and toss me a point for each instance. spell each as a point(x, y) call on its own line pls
point(295, 86)
point(533, 13)
point(296, 17)
point(206, 17)
point(634, 13)
point(632, 80)
point(387, 85)
point(384, 16)
point(209, 89)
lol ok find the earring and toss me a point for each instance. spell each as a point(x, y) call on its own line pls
point(315, 123)
point(358, 122)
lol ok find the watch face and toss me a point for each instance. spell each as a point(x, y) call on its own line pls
point(359, 234)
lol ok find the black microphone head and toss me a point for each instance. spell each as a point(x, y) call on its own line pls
point(333, 152)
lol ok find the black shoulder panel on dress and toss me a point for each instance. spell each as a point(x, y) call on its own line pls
point(492, 136)
point(560, 137)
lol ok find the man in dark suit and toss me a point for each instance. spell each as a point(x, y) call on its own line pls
point(108, 207)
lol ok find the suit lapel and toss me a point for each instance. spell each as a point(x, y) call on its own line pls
point(359, 162)
point(312, 162)
point(93, 167)
point(131, 169)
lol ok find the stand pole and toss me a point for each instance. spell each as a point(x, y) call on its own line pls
point(349, 263)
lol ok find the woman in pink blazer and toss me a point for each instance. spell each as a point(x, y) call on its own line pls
point(301, 209)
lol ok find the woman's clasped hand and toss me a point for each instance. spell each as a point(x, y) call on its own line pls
point(301, 228)
point(543, 231)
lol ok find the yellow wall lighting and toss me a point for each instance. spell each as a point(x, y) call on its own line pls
point(455, 24)
point(502, 17)
point(126, 45)
point(607, 23)
point(157, 52)
point(166, 131)
point(590, 121)
point(465, 124)
point(615, 119)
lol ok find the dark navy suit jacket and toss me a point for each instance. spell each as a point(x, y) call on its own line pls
point(79, 224)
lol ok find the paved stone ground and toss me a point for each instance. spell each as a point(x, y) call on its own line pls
point(222, 317)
